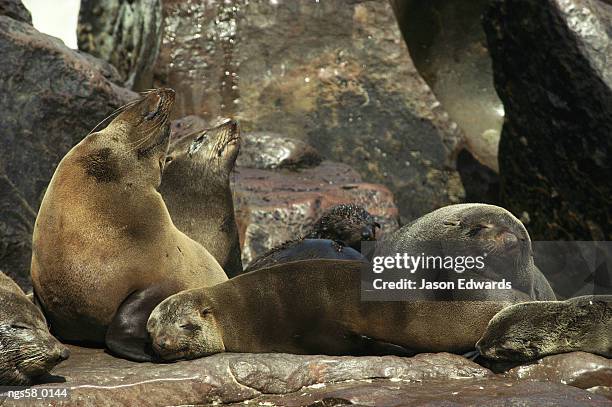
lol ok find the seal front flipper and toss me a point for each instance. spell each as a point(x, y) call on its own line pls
point(127, 335)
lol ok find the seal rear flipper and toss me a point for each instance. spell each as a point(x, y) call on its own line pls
point(127, 335)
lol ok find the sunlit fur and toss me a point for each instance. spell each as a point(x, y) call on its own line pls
point(27, 349)
point(531, 330)
point(184, 327)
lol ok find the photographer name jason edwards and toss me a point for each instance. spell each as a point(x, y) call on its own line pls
point(423, 284)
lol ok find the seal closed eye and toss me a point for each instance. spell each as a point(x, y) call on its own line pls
point(105, 251)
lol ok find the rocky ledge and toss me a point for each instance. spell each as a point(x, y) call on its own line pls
point(97, 379)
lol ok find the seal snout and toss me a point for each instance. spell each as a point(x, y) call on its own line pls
point(63, 354)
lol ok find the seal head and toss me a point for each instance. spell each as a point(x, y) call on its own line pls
point(27, 349)
point(184, 327)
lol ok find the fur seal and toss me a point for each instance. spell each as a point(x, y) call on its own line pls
point(105, 250)
point(303, 250)
point(27, 349)
point(337, 234)
point(310, 307)
point(349, 224)
point(476, 229)
point(196, 188)
point(531, 330)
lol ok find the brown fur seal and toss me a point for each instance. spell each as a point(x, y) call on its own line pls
point(196, 188)
point(27, 349)
point(531, 330)
point(105, 250)
point(311, 306)
point(478, 230)
point(305, 249)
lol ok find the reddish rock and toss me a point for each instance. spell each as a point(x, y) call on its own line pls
point(274, 206)
point(578, 369)
point(98, 379)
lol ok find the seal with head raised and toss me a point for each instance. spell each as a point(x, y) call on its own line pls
point(311, 307)
point(27, 349)
point(531, 330)
point(473, 229)
point(105, 250)
point(196, 188)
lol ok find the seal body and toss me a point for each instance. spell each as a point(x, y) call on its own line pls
point(477, 230)
point(310, 307)
point(349, 224)
point(196, 188)
point(27, 349)
point(531, 330)
point(105, 250)
point(305, 249)
point(337, 234)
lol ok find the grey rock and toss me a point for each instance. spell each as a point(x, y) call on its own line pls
point(15, 10)
point(125, 33)
point(334, 74)
point(551, 60)
point(51, 98)
point(266, 150)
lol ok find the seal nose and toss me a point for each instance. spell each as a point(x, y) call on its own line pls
point(367, 233)
point(509, 239)
point(64, 354)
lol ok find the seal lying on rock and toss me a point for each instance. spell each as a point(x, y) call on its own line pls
point(305, 249)
point(27, 349)
point(310, 307)
point(341, 229)
point(196, 188)
point(478, 230)
point(105, 251)
point(531, 330)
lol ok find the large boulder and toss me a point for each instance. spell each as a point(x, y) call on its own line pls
point(15, 10)
point(551, 60)
point(333, 73)
point(52, 97)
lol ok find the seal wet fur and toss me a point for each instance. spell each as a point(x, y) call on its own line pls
point(105, 250)
point(27, 349)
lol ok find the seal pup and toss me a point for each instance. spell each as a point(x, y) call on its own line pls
point(337, 234)
point(105, 250)
point(305, 249)
point(531, 330)
point(310, 307)
point(196, 188)
point(349, 224)
point(475, 229)
point(27, 349)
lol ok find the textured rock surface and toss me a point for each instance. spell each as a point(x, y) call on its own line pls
point(335, 74)
point(126, 33)
point(274, 206)
point(95, 378)
point(15, 10)
point(552, 70)
point(448, 46)
point(578, 369)
point(51, 98)
point(267, 150)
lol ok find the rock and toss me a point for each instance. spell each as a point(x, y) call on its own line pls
point(274, 206)
point(481, 183)
point(334, 74)
point(15, 10)
point(126, 33)
point(578, 369)
point(51, 98)
point(96, 378)
point(449, 48)
point(551, 60)
point(266, 150)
